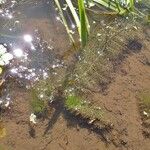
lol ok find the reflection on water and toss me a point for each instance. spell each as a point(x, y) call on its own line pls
point(33, 32)
point(35, 36)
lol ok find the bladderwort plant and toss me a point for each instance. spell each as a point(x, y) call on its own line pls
point(79, 14)
point(74, 102)
point(78, 105)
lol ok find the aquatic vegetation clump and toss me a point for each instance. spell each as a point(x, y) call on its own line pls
point(106, 49)
point(76, 103)
point(38, 95)
point(78, 107)
point(37, 105)
point(41, 94)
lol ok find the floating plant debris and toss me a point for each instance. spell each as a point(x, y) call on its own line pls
point(33, 118)
point(5, 56)
point(2, 130)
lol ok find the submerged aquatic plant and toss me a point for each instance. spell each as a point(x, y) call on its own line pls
point(37, 105)
point(40, 93)
point(76, 103)
point(119, 6)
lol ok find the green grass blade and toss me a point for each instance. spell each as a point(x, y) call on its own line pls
point(112, 5)
point(84, 25)
point(64, 20)
point(74, 14)
point(132, 5)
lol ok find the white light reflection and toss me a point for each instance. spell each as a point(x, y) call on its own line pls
point(45, 75)
point(10, 16)
point(1, 11)
point(27, 38)
point(73, 26)
point(18, 52)
point(14, 71)
point(41, 95)
point(33, 47)
point(57, 18)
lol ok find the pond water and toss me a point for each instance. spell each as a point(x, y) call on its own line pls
point(32, 31)
point(46, 64)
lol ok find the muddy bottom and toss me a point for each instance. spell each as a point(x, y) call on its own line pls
point(57, 132)
point(59, 129)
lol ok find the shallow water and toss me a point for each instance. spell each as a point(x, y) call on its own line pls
point(34, 30)
point(46, 64)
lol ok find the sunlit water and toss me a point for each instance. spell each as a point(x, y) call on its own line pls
point(34, 34)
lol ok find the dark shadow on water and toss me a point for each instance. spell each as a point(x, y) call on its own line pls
point(77, 121)
point(134, 45)
point(58, 106)
point(74, 121)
